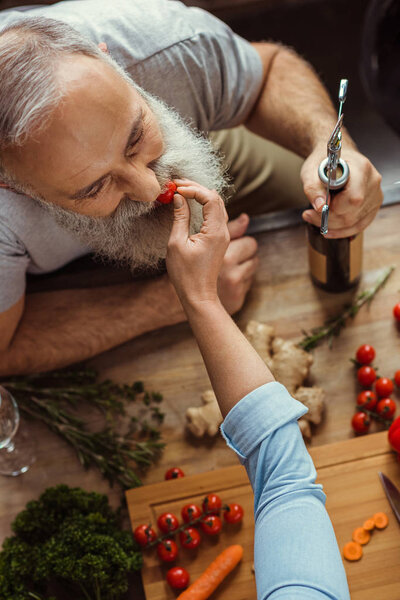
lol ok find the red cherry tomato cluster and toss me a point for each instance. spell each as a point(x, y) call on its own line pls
point(372, 404)
point(207, 518)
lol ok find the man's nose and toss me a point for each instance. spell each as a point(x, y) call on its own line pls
point(140, 182)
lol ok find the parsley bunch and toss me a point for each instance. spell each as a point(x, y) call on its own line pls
point(69, 539)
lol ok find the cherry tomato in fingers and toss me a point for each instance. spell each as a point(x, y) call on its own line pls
point(167, 196)
point(167, 522)
point(178, 578)
point(394, 435)
point(397, 378)
point(366, 376)
point(144, 535)
point(233, 513)
point(211, 525)
point(367, 399)
point(365, 354)
point(167, 550)
point(384, 387)
point(360, 422)
point(386, 408)
point(190, 538)
point(190, 512)
point(212, 503)
point(396, 311)
point(174, 473)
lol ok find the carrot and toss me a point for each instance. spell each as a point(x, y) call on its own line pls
point(369, 525)
point(215, 573)
point(361, 536)
point(352, 551)
point(381, 520)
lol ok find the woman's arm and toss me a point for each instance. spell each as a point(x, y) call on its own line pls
point(296, 554)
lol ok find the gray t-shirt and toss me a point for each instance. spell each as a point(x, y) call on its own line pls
point(185, 56)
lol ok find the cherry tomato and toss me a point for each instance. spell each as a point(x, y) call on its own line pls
point(233, 513)
point(386, 408)
point(365, 354)
point(394, 434)
point(211, 524)
point(178, 578)
point(367, 399)
point(396, 311)
point(384, 387)
point(397, 378)
point(190, 512)
point(366, 376)
point(190, 538)
point(167, 550)
point(144, 534)
point(167, 522)
point(360, 422)
point(167, 196)
point(174, 473)
point(212, 504)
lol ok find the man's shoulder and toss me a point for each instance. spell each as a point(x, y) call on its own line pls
point(134, 30)
point(27, 228)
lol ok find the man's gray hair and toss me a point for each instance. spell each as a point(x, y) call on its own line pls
point(30, 50)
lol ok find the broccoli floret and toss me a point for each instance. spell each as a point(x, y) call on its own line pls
point(71, 538)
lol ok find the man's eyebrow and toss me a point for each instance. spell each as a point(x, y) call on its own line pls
point(131, 138)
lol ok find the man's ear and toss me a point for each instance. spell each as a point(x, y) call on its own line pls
point(103, 47)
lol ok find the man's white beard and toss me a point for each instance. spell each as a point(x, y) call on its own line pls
point(136, 233)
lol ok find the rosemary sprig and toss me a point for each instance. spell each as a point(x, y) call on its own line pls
point(53, 398)
point(334, 325)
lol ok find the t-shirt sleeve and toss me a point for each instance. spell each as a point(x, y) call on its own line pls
point(14, 261)
point(184, 55)
point(213, 78)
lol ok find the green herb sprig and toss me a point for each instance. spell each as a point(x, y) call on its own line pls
point(334, 325)
point(53, 398)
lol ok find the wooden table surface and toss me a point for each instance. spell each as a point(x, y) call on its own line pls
point(169, 361)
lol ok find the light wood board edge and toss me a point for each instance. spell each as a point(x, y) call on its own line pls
point(140, 500)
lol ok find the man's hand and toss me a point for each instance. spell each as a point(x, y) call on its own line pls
point(239, 266)
point(352, 209)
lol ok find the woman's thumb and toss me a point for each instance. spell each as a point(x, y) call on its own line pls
point(181, 223)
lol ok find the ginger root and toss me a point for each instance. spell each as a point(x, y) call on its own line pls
point(290, 366)
point(205, 419)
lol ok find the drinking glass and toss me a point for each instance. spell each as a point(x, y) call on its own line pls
point(16, 449)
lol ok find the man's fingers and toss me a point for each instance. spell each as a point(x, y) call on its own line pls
point(181, 222)
point(247, 270)
point(237, 227)
point(349, 231)
point(240, 251)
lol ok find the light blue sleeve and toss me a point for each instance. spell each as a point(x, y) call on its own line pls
point(296, 555)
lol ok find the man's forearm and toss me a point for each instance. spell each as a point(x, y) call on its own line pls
point(62, 327)
point(294, 108)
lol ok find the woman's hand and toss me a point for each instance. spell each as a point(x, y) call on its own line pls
point(194, 261)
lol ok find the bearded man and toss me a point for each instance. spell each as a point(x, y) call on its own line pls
point(88, 140)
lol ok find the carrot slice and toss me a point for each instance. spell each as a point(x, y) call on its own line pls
point(381, 520)
point(361, 536)
point(369, 525)
point(352, 551)
point(215, 573)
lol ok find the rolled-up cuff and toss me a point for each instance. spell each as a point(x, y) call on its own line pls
point(259, 414)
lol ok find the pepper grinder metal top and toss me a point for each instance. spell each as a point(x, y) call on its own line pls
point(328, 169)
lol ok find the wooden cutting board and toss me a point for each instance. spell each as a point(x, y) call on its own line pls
point(349, 472)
